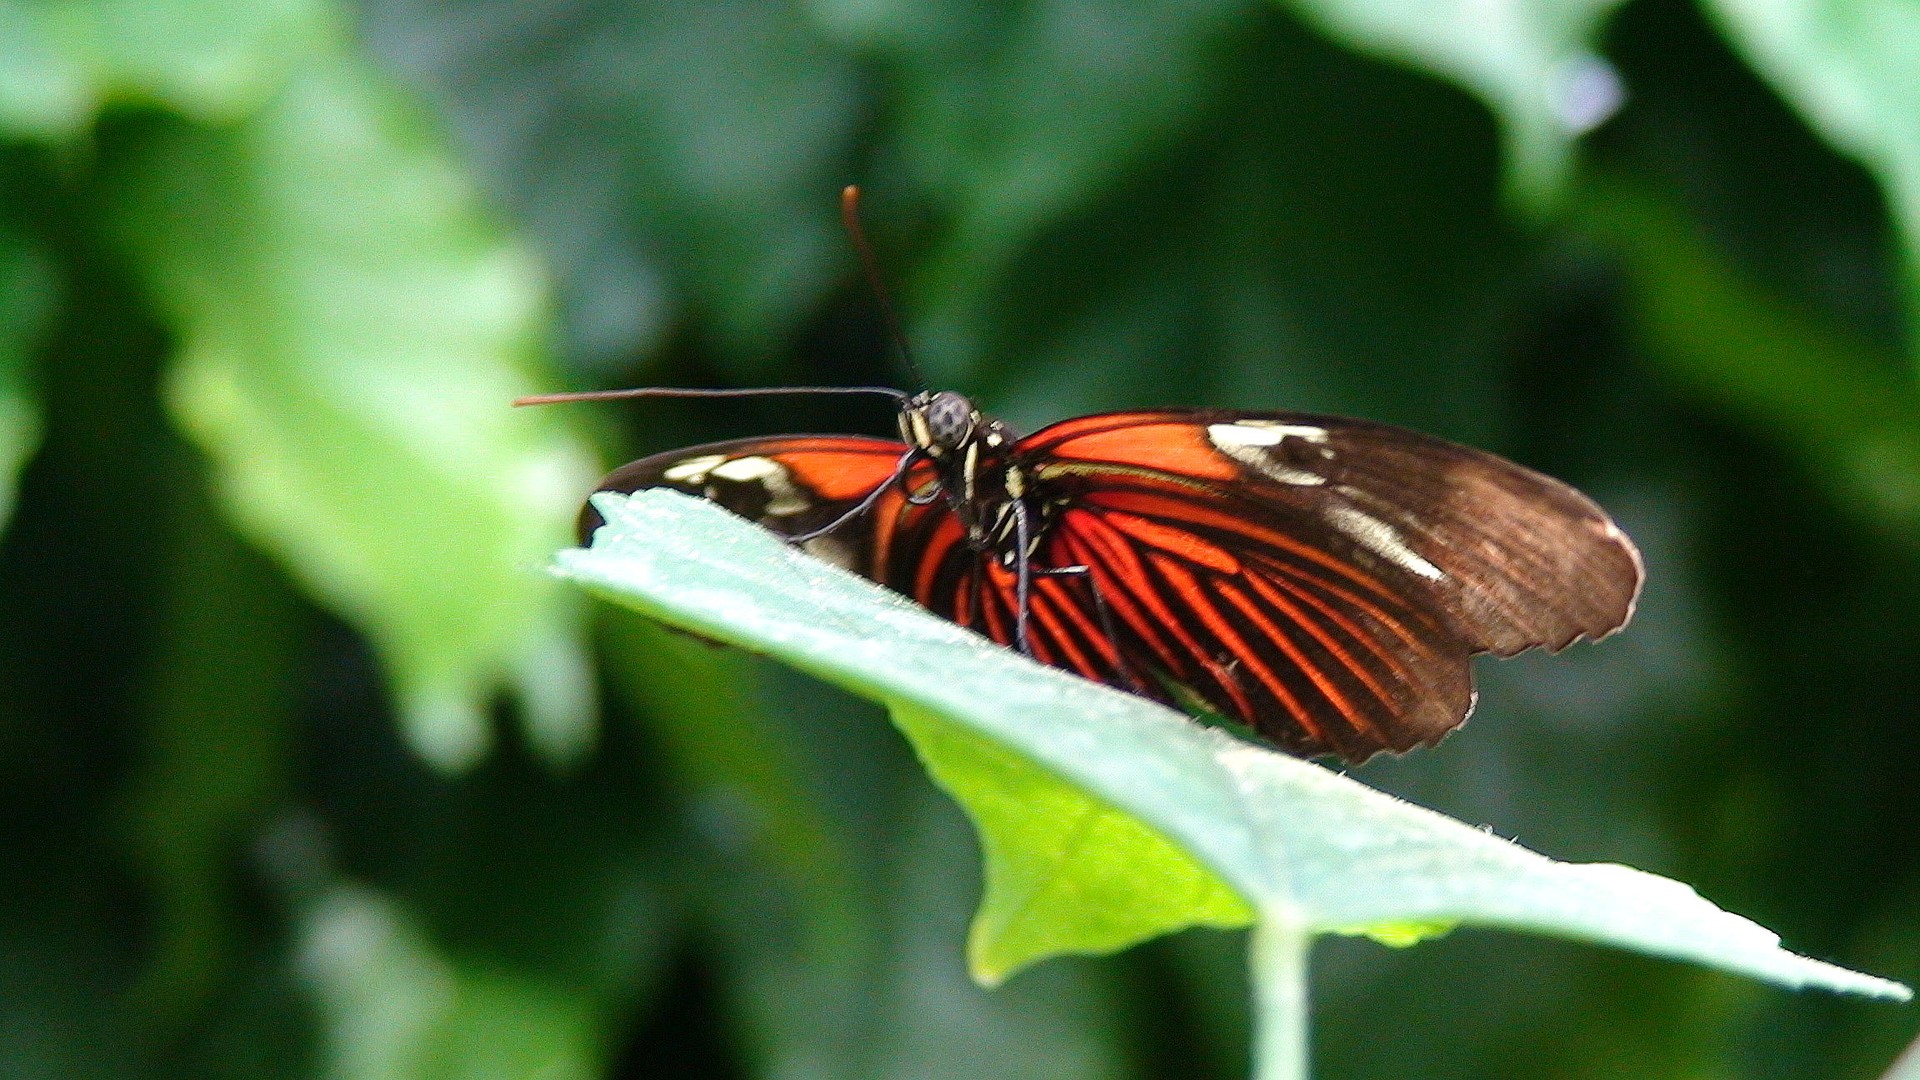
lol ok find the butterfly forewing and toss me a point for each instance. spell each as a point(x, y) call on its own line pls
point(792, 484)
point(1510, 558)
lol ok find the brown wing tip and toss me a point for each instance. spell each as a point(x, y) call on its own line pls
point(1620, 613)
point(1623, 579)
point(1619, 537)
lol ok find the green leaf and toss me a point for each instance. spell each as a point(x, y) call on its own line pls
point(1052, 850)
point(1531, 61)
point(1290, 249)
point(1852, 69)
point(26, 299)
point(500, 923)
point(1802, 379)
point(1304, 847)
point(676, 161)
point(352, 329)
point(215, 60)
point(214, 752)
point(1023, 136)
point(395, 1007)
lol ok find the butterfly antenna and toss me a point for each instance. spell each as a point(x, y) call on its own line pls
point(850, 216)
point(700, 392)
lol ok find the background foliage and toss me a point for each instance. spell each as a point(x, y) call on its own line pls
point(305, 766)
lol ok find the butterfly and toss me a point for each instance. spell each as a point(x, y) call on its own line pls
point(1320, 579)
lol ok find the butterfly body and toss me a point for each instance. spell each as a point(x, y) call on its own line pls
point(1322, 579)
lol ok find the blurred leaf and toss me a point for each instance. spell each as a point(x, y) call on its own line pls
point(799, 1003)
point(673, 159)
point(1066, 872)
point(704, 706)
point(1531, 61)
point(215, 750)
point(215, 60)
point(784, 892)
point(26, 301)
point(352, 331)
point(59, 1018)
point(1347, 255)
point(550, 879)
point(396, 1008)
point(1799, 378)
point(1709, 131)
point(1852, 69)
point(1061, 99)
point(1302, 845)
point(78, 568)
point(261, 1026)
point(509, 888)
point(1067, 94)
point(1061, 1022)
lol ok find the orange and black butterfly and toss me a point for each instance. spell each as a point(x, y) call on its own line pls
point(1323, 580)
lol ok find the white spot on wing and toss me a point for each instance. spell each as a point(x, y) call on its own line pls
point(783, 497)
point(747, 469)
point(1382, 539)
point(1264, 432)
point(1248, 442)
point(694, 470)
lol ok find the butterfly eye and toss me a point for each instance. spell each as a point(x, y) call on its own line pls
point(950, 419)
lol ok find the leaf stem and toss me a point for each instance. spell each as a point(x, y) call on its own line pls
point(1277, 958)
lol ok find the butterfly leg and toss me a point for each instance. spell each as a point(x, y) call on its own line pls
point(1105, 615)
point(1022, 576)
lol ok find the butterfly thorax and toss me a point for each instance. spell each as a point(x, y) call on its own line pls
point(978, 476)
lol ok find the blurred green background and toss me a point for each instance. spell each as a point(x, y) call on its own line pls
point(307, 770)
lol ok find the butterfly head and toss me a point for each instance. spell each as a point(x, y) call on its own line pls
point(940, 424)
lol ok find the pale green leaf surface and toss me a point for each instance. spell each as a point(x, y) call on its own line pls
point(61, 60)
point(1300, 844)
point(1852, 69)
point(1531, 61)
point(352, 330)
